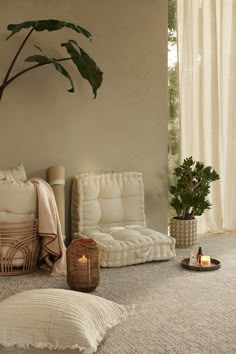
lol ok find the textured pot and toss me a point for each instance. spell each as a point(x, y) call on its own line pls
point(184, 231)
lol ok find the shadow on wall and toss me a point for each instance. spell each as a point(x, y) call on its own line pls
point(37, 173)
point(153, 200)
point(68, 192)
point(161, 182)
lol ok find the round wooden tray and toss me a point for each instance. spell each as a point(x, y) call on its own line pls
point(215, 264)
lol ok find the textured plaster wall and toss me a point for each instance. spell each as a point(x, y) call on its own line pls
point(124, 128)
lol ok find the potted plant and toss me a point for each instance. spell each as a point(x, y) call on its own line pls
point(189, 199)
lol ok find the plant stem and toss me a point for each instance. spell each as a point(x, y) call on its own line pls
point(1, 91)
point(33, 67)
point(7, 82)
point(4, 84)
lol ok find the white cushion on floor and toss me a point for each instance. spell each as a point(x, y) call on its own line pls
point(57, 319)
point(132, 245)
point(109, 207)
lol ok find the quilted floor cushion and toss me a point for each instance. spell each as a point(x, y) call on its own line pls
point(109, 207)
point(133, 244)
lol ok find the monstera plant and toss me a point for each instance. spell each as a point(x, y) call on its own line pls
point(82, 61)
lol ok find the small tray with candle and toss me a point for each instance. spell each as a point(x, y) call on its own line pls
point(213, 265)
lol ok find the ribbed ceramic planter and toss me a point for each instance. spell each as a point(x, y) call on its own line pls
point(184, 231)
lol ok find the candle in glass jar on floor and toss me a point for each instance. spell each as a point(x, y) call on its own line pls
point(205, 261)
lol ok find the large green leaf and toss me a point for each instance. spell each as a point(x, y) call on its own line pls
point(85, 64)
point(43, 59)
point(48, 25)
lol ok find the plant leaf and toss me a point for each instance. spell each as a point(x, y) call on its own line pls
point(85, 64)
point(64, 72)
point(43, 59)
point(48, 25)
point(38, 59)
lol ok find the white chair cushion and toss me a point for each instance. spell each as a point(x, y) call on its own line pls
point(106, 200)
point(18, 203)
point(17, 197)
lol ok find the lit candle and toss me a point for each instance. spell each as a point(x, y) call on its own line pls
point(84, 264)
point(205, 261)
point(83, 260)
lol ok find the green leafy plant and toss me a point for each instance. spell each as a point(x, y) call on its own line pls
point(83, 62)
point(189, 194)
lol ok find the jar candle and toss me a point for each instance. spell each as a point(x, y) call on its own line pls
point(84, 266)
point(205, 261)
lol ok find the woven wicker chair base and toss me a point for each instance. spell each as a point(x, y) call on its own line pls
point(19, 247)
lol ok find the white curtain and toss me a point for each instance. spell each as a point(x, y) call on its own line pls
point(206, 32)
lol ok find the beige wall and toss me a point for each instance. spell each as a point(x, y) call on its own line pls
point(124, 128)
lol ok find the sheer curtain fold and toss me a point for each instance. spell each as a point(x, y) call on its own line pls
point(206, 40)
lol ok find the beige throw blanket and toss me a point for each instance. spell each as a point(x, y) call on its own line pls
point(53, 247)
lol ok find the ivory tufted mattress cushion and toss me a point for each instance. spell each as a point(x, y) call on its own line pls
point(109, 207)
point(132, 244)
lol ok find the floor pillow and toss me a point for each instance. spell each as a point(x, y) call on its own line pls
point(109, 208)
point(57, 319)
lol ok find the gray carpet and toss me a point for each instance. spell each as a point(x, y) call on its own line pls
point(177, 311)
